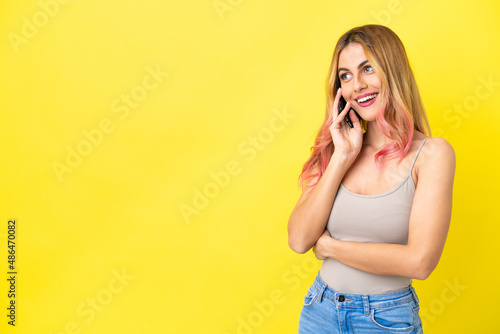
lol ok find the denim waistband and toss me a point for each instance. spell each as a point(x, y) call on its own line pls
point(365, 301)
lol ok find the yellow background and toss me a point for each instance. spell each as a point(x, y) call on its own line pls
point(233, 66)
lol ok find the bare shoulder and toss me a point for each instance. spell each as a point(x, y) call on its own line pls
point(438, 149)
point(437, 158)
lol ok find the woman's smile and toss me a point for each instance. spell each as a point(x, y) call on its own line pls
point(366, 99)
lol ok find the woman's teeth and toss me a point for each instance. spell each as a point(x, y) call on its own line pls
point(366, 98)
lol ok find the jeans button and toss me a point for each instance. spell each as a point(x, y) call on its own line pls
point(341, 298)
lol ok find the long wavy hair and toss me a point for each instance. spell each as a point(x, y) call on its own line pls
point(402, 109)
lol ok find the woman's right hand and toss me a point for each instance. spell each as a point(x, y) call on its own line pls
point(346, 140)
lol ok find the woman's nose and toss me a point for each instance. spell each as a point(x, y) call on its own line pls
point(359, 83)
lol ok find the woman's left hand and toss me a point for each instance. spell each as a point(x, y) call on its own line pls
point(322, 247)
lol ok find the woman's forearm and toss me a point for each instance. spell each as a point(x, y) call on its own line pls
point(380, 258)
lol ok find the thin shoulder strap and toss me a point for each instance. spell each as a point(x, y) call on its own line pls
point(416, 155)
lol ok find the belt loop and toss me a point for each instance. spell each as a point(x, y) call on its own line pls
point(321, 291)
point(366, 305)
point(414, 294)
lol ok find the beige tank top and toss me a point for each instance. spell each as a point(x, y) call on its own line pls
point(369, 218)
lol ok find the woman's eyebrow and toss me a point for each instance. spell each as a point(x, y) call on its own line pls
point(346, 69)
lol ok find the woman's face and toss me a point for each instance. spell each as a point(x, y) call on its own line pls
point(359, 81)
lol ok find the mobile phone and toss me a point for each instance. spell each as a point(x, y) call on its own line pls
point(342, 103)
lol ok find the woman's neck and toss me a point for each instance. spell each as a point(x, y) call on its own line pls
point(374, 136)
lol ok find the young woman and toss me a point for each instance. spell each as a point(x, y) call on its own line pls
point(378, 205)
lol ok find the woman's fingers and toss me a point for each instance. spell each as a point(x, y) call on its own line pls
point(335, 110)
point(354, 119)
point(340, 117)
point(339, 94)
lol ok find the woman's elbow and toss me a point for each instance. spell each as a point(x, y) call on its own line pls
point(422, 274)
point(423, 268)
point(296, 240)
point(298, 246)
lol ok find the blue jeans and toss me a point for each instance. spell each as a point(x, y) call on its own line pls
point(328, 311)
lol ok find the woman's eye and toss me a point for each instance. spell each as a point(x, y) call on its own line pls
point(368, 69)
point(344, 76)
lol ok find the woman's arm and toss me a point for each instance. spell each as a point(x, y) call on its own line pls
point(428, 227)
point(310, 215)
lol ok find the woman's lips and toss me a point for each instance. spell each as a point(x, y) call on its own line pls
point(367, 103)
